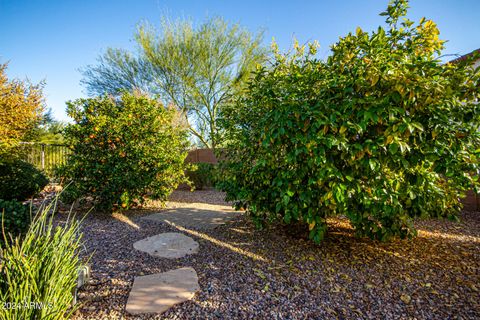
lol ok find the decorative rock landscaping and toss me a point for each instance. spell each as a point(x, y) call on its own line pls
point(156, 293)
point(245, 273)
point(167, 245)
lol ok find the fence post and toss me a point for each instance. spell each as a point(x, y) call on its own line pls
point(43, 156)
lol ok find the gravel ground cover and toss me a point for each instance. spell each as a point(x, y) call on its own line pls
point(246, 273)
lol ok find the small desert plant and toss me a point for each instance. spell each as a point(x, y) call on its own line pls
point(39, 272)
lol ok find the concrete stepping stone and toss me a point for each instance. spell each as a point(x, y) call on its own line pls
point(205, 217)
point(156, 293)
point(170, 245)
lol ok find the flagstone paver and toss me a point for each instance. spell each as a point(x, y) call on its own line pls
point(156, 293)
point(196, 215)
point(168, 245)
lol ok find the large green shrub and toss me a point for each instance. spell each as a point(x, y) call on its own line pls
point(14, 218)
point(123, 150)
point(20, 180)
point(382, 132)
point(39, 272)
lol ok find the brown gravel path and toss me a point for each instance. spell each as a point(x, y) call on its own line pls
point(245, 273)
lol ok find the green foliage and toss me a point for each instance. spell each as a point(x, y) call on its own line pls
point(123, 150)
point(14, 218)
point(199, 69)
point(21, 107)
point(38, 272)
point(381, 132)
point(20, 180)
point(203, 175)
point(47, 130)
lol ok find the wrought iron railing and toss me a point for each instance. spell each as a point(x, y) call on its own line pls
point(46, 157)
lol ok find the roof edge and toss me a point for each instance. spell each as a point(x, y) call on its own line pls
point(465, 56)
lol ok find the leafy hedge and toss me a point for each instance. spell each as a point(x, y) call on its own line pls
point(14, 219)
point(123, 150)
point(20, 180)
point(382, 132)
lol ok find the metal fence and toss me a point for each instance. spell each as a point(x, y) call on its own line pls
point(44, 156)
point(47, 157)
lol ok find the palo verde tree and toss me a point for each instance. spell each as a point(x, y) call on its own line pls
point(199, 70)
point(381, 132)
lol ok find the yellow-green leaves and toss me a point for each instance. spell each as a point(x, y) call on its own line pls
point(374, 79)
point(358, 31)
point(313, 47)
point(21, 107)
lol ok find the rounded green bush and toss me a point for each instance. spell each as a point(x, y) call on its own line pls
point(381, 132)
point(15, 217)
point(20, 180)
point(123, 150)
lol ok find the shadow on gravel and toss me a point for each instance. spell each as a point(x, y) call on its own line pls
point(198, 218)
point(244, 272)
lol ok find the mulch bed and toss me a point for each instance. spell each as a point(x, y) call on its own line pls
point(246, 273)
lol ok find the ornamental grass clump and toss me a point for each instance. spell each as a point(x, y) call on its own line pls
point(381, 132)
point(38, 272)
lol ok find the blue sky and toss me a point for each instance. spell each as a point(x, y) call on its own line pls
point(51, 40)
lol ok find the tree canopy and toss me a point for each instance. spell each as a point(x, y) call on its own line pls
point(21, 108)
point(47, 130)
point(198, 69)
